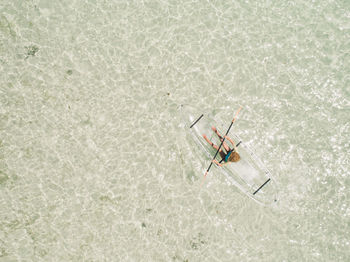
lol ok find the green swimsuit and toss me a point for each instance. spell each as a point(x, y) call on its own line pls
point(228, 155)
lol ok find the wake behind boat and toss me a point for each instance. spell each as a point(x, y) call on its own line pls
point(249, 174)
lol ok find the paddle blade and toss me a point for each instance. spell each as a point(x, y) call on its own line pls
point(240, 108)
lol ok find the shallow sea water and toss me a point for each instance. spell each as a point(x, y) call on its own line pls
point(95, 164)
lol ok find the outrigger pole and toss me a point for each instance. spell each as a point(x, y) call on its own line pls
point(256, 191)
point(223, 139)
point(199, 118)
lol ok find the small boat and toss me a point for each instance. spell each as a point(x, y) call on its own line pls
point(249, 174)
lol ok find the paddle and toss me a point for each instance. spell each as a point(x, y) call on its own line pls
point(228, 130)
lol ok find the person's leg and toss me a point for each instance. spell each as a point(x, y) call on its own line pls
point(211, 143)
point(227, 148)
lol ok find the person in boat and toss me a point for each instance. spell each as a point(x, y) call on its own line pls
point(231, 155)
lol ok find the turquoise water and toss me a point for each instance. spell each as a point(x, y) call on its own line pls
point(95, 164)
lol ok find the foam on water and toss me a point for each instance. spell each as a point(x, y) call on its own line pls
point(94, 163)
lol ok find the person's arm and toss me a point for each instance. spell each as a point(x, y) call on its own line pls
point(216, 162)
point(232, 142)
